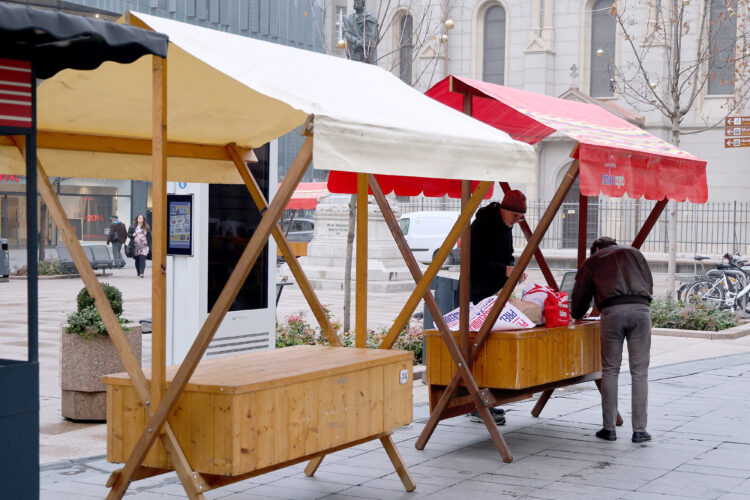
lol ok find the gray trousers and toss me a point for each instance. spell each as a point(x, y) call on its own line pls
point(621, 322)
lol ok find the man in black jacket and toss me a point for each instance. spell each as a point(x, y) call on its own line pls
point(492, 244)
point(619, 280)
point(491, 256)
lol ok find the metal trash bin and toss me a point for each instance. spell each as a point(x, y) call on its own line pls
point(447, 293)
point(4, 260)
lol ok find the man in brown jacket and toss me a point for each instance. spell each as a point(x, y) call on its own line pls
point(117, 236)
point(619, 280)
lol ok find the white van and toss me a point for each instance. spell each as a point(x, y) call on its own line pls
point(426, 231)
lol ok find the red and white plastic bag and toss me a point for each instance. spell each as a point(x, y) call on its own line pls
point(510, 318)
point(555, 304)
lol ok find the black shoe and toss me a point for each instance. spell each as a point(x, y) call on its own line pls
point(607, 435)
point(640, 437)
point(499, 417)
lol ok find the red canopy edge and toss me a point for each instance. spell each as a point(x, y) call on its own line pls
point(346, 182)
point(306, 195)
point(615, 156)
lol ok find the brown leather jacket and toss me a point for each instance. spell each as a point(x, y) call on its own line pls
point(615, 274)
point(119, 228)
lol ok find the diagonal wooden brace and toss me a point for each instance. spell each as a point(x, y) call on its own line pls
point(526, 230)
point(304, 284)
point(492, 316)
point(228, 294)
point(423, 283)
point(649, 223)
point(117, 336)
point(463, 369)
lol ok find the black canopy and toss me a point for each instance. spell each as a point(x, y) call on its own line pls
point(66, 41)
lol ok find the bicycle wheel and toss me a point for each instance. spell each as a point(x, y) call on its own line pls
point(709, 292)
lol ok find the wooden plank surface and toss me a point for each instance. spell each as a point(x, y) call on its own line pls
point(523, 358)
point(264, 369)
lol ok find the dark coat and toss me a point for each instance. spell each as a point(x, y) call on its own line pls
point(491, 252)
point(616, 274)
point(119, 229)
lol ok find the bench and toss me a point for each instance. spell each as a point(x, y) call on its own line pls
point(99, 257)
point(66, 261)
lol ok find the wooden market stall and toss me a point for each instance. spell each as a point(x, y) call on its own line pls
point(611, 157)
point(226, 95)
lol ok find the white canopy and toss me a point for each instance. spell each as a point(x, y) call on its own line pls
point(226, 88)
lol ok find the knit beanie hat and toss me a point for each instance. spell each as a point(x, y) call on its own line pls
point(514, 201)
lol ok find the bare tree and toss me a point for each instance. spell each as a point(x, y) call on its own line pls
point(684, 48)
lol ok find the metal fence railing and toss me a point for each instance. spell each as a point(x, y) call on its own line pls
point(710, 228)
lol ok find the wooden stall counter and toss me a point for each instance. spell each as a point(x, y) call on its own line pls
point(521, 359)
point(269, 409)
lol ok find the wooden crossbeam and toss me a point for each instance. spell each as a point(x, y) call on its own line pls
point(228, 294)
point(505, 293)
point(538, 255)
point(286, 249)
point(442, 253)
point(583, 215)
point(123, 145)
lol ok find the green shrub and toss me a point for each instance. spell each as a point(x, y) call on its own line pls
point(88, 324)
point(667, 313)
point(113, 294)
point(48, 267)
point(294, 330)
point(86, 321)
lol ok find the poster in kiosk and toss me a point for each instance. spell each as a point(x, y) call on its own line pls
point(222, 218)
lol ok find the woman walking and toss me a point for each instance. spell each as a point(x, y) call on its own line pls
point(140, 243)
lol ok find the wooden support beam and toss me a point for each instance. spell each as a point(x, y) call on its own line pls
point(159, 235)
point(361, 261)
point(543, 266)
point(505, 293)
point(226, 297)
point(121, 145)
point(423, 283)
point(583, 215)
point(649, 223)
point(286, 250)
point(398, 462)
point(116, 335)
point(465, 270)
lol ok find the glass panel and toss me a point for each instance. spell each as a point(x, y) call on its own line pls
point(494, 45)
point(722, 39)
point(602, 50)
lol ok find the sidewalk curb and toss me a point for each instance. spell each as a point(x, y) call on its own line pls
point(728, 334)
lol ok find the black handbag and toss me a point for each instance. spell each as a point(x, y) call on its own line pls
point(130, 249)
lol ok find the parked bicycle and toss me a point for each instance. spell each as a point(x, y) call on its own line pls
point(726, 287)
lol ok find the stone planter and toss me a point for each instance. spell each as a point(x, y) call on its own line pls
point(82, 365)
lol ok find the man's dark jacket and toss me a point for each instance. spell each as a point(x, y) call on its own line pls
point(491, 251)
point(615, 274)
point(119, 229)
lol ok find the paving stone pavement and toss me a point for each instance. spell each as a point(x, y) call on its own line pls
point(699, 414)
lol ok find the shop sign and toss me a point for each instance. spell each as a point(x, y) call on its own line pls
point(9, 178)
point(734, 121)
point(737, 131)
point(737, 142)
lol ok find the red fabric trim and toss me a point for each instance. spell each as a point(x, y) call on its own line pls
point(346, 183)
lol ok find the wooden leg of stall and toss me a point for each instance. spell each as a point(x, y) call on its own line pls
point(423, 284)
point(618, 420)
point(228, 294)
point(480, 403)
point(649, 223)
point(464, 290)
point(286, 250)
point(398, 462)
point(505, 293)
point(583, 215)
point(88, 276)
point(538, 255)
point(360, 320)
